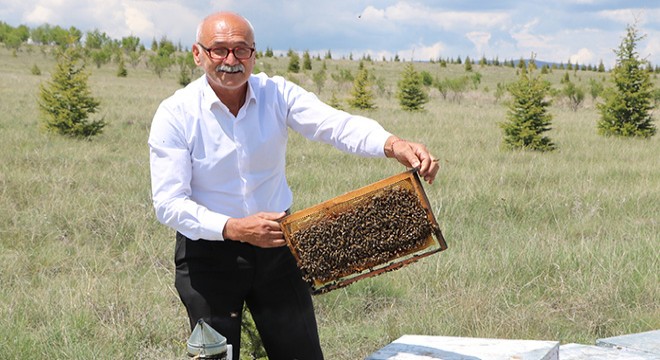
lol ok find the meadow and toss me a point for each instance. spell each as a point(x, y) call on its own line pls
point(551, 246)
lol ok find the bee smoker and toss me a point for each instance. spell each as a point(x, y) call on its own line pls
point(206, 343)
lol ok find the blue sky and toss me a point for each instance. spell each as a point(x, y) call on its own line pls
point(582, 31)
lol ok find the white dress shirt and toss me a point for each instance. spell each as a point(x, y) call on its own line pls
point(208, 165)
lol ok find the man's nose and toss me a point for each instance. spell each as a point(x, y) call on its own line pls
point(231, 59)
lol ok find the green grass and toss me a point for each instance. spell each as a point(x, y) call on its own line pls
point(553, 246)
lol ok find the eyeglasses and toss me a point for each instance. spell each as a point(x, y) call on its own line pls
point(221, 53)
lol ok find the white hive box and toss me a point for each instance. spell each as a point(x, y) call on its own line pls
point(646, 342)
point(590, 352)
point(418, 347)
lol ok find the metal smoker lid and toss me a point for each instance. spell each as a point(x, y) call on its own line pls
point(205, 342)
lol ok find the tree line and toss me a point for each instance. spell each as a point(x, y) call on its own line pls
point(626, 111)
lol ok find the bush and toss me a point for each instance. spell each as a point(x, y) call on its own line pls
point(574, 94)
point(596, 89)
point(121, 68)
point(35, 70)
point(427, 78)
point(456, 86)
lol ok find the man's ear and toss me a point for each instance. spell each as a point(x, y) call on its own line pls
point(196, 54)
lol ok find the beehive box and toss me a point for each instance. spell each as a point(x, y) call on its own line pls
point(378, 228)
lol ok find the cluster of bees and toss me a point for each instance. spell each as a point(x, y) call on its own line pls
point(389, 224)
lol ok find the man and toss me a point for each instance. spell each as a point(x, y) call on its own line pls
point(217, 153)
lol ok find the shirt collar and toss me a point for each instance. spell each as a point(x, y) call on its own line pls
point(209, 97)
point(250, 96)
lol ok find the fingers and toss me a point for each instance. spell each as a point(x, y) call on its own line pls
point(429, 165)
point(275, 243)
point(271, 216)
point(269, 240)
point(260, 230)
point(275, 236)
point(432, 170)
point(271, 235)
point(416, 155)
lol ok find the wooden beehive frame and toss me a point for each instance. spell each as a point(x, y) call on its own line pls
point(331, 208)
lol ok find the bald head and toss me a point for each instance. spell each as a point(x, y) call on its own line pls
point(224, 23)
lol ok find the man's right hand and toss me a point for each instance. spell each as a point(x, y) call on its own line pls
point(261, 229)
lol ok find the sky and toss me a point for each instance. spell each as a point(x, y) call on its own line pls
point(579, 31)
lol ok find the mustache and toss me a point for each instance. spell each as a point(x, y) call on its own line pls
point(230, 69)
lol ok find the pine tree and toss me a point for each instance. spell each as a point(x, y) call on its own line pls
point(66, 101)
point(335, 102)
point(307, 61)
point(627, 107)
point(362, 98)
point(528, 116)
point(187, 68)
point(294, 62)
point(468, 64)
point(269, 52)
point(411, 94)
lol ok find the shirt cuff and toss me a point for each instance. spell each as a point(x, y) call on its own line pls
point(378, 143)
point(212, 225)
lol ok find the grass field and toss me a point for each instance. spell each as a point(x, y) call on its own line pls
point(550, 246)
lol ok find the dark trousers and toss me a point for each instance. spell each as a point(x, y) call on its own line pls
point(215, 278)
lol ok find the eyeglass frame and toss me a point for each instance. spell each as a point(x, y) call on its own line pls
point(213, 56)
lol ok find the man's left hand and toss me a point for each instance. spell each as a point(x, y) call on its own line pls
point(413, 155)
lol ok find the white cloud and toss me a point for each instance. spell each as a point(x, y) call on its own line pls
point(480, 39)
point(137, 22)
point(625, 16)
point(147, 19)
point(651, 49)
point(150, 19)
point(40, 15)
point(582, 46)
point(370, 13)
point(583, 56)
point(422, 52)
point(527, 40)
point(418, 14)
